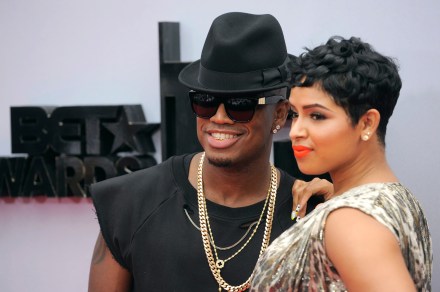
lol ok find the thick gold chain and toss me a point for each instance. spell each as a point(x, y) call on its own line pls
point(214, 263)
point(251, 226)
point(220, 263)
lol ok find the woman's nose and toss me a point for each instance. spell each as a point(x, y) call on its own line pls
point(297, 129)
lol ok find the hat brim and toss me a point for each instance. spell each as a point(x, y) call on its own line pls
point(189, 76)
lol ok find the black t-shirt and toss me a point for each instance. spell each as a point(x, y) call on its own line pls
point(143, 221)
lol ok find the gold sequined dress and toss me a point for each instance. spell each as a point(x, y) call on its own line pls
point(297, 261)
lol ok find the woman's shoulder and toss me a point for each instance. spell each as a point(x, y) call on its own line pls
point(367, 196)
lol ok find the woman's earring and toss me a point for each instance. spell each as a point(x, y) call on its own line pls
point(276, 129)
point(366, 136)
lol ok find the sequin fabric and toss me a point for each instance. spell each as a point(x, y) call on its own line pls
point(297, 261)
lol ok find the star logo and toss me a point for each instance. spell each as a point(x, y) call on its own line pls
point(131, 132)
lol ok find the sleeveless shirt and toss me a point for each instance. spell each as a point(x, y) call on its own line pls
point(144, 222)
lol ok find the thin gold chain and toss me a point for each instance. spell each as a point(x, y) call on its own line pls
point(220, 263)
point(214, 264)
point(220, 247)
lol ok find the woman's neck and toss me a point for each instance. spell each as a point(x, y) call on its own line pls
point(371, 167)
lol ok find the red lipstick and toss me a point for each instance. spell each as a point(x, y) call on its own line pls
point(301, 151)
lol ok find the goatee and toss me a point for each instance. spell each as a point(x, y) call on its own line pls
point(221, 162)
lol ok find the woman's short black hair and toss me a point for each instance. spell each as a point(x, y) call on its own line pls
point(354, 74)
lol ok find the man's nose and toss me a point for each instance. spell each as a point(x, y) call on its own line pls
point(221, 117)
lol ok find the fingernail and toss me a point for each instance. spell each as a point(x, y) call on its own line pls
point(298, 218)
point(293, 215)
point(298, 207)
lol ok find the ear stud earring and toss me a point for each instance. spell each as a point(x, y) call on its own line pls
point(276, 129)
point(366, 136)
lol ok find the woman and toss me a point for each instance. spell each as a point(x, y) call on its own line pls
point(372, 235)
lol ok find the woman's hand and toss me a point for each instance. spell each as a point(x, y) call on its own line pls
point(302, 191)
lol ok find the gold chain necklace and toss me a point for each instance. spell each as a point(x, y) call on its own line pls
point(215, 264)
point(220, 247)
point(221, 263)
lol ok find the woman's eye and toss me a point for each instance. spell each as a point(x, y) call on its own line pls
point(293, 114)
point(317, 116)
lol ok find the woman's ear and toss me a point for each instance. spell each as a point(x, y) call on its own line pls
point(369, 123)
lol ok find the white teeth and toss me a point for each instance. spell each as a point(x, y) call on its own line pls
point(222, 136)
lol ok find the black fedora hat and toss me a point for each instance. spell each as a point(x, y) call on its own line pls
point(243, 53)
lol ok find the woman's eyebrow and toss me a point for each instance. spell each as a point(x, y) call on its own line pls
point(316, 105)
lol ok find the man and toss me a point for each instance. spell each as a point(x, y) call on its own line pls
point(199, 222)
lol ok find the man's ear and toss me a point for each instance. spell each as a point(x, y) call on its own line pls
point(281, 111)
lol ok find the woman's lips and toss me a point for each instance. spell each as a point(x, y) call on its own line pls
point(301, 151)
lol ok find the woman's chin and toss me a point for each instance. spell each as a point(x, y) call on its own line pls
point(309, 171)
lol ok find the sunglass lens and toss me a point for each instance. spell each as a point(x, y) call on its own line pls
point(240, 109)
point(204, 105)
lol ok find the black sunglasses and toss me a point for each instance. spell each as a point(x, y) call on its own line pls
point(239, 109)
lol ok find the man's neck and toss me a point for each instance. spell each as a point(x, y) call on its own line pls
point(233, 186)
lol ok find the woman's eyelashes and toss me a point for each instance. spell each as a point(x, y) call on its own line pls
point(317, 116)
point(293, 114)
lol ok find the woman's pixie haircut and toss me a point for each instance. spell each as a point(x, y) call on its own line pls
point(354, 74)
